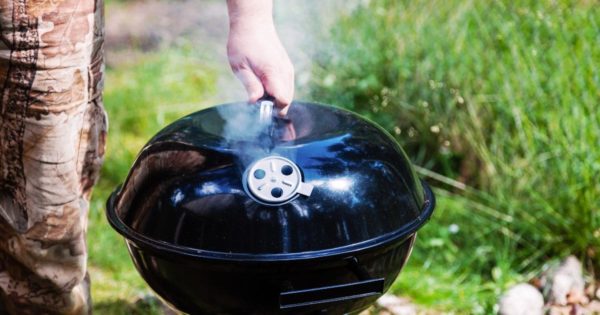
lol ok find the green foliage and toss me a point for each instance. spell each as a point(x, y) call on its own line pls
point(140, 98)
point(500, 95)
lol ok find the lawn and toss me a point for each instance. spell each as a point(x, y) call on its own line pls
point(496, 102)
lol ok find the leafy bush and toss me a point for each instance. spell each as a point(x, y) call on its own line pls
point(501, 96)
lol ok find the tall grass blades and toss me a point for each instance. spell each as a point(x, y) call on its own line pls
point(502, 96)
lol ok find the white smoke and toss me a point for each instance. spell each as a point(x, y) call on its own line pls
point(242, 123)
point(247, 131)
point(303, 26)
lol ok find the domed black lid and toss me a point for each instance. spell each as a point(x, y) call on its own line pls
point(221, 183)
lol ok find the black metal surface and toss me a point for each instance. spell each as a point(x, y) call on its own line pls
point(205, 246)
point(201, 286)
point(300, 299)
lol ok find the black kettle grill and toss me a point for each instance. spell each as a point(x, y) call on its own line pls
point(232, 210)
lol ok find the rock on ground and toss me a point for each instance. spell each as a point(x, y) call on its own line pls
point(522, 299)
point(567, 285)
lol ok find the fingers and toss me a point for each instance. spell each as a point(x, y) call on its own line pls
point(279, 83)
point(266, 71)
point(251, 82)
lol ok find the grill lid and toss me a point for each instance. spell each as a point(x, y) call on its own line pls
point(220, 182)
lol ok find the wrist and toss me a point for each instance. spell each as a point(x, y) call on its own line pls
point(250, 13)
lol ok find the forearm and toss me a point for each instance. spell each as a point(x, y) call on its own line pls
point(256, 54)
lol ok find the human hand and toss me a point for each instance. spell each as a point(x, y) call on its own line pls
point(256, 54)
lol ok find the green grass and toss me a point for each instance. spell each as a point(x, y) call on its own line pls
point(450, 268)
point(140, 97)
point(501, 96)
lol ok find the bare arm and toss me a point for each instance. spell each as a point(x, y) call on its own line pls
point(256, 54)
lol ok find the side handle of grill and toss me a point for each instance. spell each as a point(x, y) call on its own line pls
point(290, 300)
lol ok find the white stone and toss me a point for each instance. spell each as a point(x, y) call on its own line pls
point(521, 299)
point(567, 280)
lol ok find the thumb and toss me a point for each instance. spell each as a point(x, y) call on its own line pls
point(253, 86)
